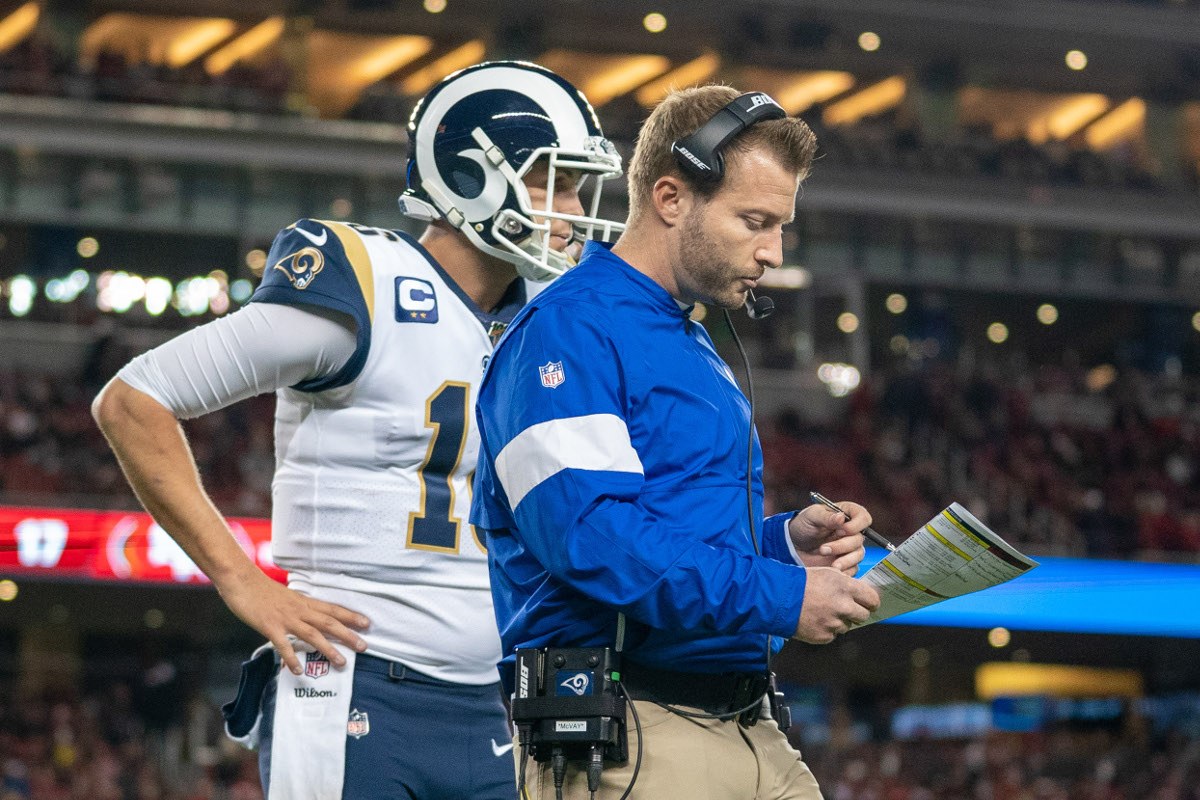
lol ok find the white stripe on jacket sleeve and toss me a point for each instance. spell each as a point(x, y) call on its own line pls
point(598, 442)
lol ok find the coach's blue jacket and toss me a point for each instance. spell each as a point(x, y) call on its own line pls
point(612, 478)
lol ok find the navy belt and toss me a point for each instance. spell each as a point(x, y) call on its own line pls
point(394, 670)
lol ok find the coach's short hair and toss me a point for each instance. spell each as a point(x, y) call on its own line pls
point(682, 113)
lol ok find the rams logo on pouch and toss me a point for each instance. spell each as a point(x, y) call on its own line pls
point(577, 684)
point(302, 266)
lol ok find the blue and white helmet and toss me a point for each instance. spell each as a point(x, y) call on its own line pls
point(476, 135)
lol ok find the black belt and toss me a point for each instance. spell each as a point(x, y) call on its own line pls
point(717, 693)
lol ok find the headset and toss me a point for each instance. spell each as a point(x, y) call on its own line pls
point(700, 156)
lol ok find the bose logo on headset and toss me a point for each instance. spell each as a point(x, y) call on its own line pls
point(700, 153)
point(683, 151)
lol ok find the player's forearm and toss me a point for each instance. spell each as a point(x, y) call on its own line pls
point(153, 453)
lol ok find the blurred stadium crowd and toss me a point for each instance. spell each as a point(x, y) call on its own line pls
point(37, 67)
point(1058, 467)
point(116, 745)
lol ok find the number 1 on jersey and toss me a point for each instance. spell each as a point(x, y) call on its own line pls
point(433, 526)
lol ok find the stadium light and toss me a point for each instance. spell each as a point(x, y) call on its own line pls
point(198, 39)
point(388, 57)
point(655, 22)
point(158, 296)
point(840, 379)
point(683, 76)
point(21, 291)
point(874, 99)
point(1071, 115)
point(240, 290)
point(248, 45)
point(256, 260)
point(424, 79)
point(341, 65)
point(812, 88)
point(1118, 125)
point(18, 25)
point(623, 75)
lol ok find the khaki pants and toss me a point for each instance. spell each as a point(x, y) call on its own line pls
point(691, 759)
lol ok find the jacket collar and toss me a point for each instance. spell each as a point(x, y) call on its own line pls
point(600, 254)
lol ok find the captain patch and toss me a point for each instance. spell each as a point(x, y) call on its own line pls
point(415, 301)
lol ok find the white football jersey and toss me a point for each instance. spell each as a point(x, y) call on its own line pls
point(372, 489)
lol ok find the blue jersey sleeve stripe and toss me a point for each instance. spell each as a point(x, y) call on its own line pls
point(595, 442)
point(360, 262)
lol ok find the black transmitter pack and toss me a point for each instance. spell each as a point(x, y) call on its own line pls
point(568, 700)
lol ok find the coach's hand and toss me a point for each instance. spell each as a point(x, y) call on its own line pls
point(825, 538)
point(276, 612)
point(833, 602)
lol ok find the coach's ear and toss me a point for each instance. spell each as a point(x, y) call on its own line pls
point(673, 200)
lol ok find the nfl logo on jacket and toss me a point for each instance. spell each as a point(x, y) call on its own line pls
point(552, 374)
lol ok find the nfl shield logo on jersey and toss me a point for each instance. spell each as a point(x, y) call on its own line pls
point(316, 665)
point(359, 725)
point(552, 374)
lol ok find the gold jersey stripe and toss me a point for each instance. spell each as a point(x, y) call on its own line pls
point(356, 253)
point(948, 543)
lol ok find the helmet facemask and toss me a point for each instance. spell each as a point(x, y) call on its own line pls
point(524, 233)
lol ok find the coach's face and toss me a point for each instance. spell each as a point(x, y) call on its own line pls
point(729, 239)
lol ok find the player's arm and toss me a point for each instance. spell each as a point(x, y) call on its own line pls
point(307, 340)
point(564, 461)
point(247, 353)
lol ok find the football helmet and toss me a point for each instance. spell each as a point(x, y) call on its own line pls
point(474, 138)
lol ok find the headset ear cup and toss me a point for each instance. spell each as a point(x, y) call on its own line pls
point(699, 154)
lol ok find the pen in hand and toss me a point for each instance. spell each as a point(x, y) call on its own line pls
point(869, 532)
